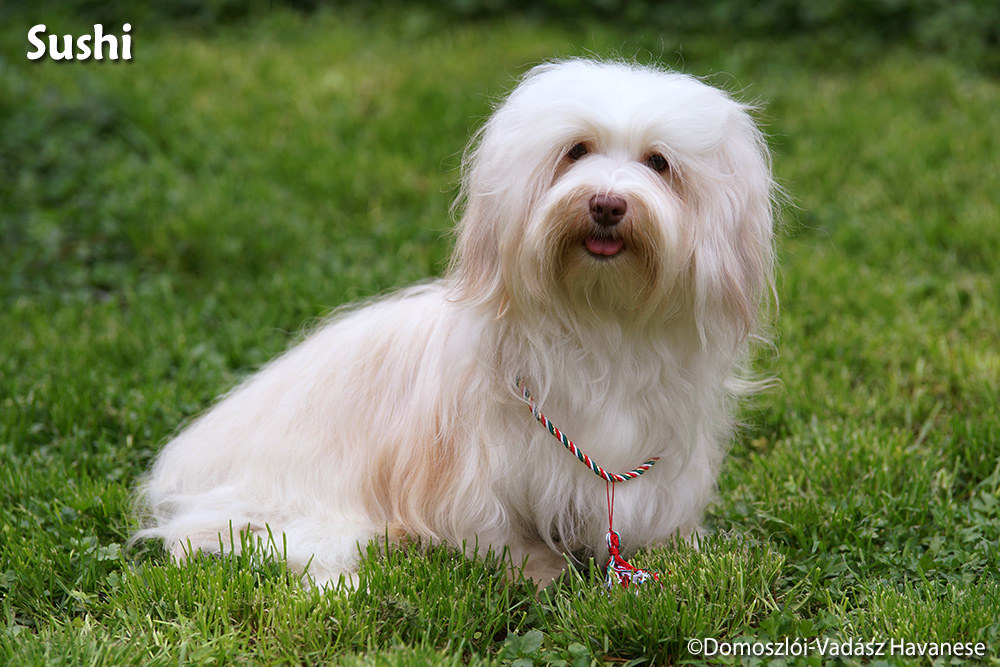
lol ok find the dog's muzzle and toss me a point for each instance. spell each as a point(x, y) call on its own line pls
point(606, 210)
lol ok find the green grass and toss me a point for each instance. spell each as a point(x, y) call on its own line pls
point(169, 224)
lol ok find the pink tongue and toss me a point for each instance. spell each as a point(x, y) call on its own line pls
point(600, 246)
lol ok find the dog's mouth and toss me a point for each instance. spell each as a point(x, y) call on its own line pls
point(603, 246)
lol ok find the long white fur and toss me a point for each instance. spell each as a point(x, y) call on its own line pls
point(400, 418)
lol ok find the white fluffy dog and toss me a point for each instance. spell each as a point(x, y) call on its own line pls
point(614, 252)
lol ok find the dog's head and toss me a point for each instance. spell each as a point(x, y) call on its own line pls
point(616, 190)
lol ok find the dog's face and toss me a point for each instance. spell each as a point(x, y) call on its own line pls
point(617, 190)
point(606, 231)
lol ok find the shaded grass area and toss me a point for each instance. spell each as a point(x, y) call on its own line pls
point(168, 225)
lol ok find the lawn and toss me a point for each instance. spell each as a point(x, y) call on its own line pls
point(170, 223)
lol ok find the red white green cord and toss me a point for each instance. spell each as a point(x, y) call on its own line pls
point(589, 462)
point(617, 570)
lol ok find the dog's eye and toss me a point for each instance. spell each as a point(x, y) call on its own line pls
point(657, 163)
point(577, 152)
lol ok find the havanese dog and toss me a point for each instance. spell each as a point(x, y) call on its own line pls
point(614, 254)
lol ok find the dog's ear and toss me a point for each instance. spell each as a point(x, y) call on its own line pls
point(475, 263)
point(504, 176)
point(733, 206)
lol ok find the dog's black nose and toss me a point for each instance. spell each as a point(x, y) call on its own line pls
point(607, 210)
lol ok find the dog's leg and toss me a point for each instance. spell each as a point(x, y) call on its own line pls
point(536, 562)
point(322, 553)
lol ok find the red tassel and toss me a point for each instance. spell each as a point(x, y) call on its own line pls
point(621, 572)
point(618, 570)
